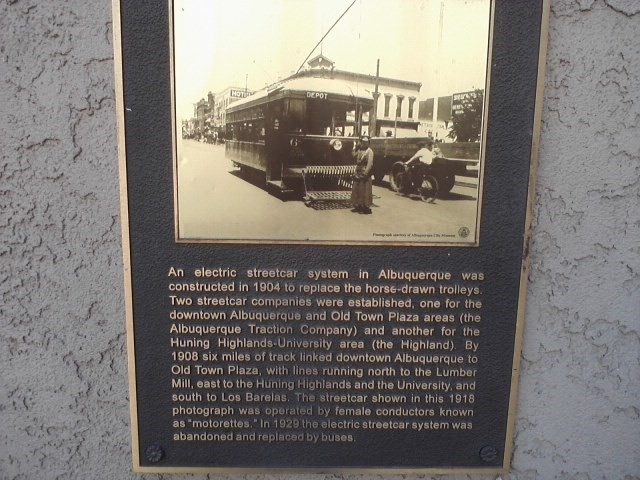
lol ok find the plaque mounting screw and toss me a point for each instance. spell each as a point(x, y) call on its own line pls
point(489, 454)
point(154, 453)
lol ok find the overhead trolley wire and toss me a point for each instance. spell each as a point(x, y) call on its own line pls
point(325, 35)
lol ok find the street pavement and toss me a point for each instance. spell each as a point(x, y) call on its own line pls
point(216, 203)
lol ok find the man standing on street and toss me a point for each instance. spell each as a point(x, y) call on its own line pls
point(361, 193)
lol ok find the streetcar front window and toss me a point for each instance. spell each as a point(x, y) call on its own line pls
point(329, 118)
point(296, 114)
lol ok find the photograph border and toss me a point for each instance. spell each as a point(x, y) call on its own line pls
point(265, 241)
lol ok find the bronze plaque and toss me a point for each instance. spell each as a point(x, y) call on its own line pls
point(325, 225)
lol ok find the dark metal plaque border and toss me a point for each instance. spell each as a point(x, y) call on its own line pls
point(144, 84)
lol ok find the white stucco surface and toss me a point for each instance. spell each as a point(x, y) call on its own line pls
point(63, 380)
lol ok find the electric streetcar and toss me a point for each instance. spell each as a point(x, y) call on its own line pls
point(301, 124)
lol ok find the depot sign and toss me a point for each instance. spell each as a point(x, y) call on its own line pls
point(318, 95)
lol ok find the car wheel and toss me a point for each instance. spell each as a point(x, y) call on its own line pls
point(446, 183)
point(399, 180)
point(429, 188)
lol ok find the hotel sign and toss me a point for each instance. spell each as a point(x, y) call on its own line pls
point(234, 93)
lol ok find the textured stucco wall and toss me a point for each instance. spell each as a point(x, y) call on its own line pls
point(63, 383)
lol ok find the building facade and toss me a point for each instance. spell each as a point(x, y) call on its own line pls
point(396, 108)
point(225, 98)
point(203, 113)
point(436, 115)
point(399, 110)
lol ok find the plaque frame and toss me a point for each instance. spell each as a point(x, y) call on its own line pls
point(121, 48)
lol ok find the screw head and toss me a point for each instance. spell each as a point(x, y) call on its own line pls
point(489, 454)
point(154, 453)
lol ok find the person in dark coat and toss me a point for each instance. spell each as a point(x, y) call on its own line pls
point(361, 193)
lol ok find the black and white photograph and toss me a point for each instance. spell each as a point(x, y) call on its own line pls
point(330, 121)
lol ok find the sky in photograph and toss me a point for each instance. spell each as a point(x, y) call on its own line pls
point(222, 43)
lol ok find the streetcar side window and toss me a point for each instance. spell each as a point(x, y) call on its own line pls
point(247, 125)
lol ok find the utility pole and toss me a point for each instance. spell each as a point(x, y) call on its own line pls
point(373, 122)
point(356, 121)
point(438, 71)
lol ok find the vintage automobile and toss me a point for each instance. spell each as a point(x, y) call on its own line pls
point(460, 159)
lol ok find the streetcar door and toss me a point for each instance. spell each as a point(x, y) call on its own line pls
point(275, 140)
